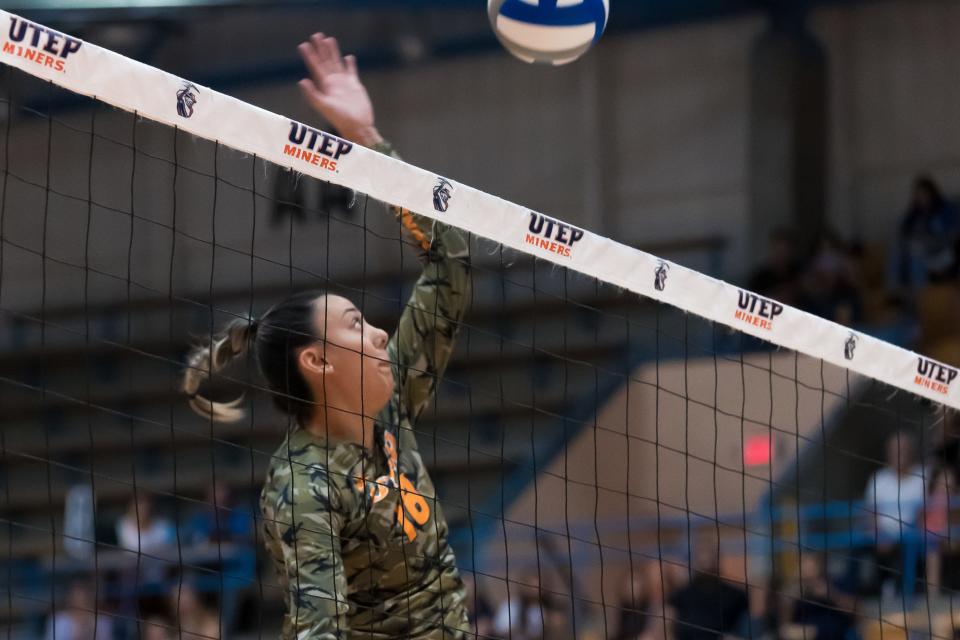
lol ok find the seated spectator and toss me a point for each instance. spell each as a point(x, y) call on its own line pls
point(707, 607)
point(140, 529)
point(478, 607)
point(940, 532)
point(655, 581)
point(947, 450)
point(522, 617)
point(820, 612)
point(157, 628)
point(152, 537)
point(633, 608)
point(894, 496)
point(829, 286)
point(220, 519)
point(778, 277)
point(194, 619)
point(926, 248)
point(558, 619)
point(78, 619)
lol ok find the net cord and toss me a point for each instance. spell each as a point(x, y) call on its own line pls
point(103, 75)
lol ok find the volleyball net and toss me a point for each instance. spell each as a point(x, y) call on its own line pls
point(613, 425)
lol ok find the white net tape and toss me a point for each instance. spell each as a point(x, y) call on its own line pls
point(96, 72)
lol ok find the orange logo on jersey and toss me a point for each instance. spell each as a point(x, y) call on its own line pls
point(413, 509)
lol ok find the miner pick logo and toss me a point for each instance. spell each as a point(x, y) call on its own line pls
point(850, 346)
point(442, 192)
point(186, 99)
point(660, 276)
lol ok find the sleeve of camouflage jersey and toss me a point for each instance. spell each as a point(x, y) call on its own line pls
point(428, 327)
point(317, 597)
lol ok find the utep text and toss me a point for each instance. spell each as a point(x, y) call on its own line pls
point(757, 311)
point(934, 376)
point(39, 44)
point(315, 147)
point(552, 235)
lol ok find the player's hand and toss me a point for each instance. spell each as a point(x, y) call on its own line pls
point(334, 90)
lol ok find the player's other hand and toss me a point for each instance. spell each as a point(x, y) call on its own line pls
point(334, 90)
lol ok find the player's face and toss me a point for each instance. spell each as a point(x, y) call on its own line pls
point(358, 376)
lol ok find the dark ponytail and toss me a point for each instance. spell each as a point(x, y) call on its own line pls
point(275, 340)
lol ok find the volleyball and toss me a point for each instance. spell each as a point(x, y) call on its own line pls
point(551, 32)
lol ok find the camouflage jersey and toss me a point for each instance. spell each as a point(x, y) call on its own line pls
point(357, 536)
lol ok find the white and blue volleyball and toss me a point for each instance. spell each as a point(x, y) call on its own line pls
point(548, 31)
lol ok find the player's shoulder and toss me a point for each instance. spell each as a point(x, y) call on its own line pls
point(302, 455)
point(305, 470)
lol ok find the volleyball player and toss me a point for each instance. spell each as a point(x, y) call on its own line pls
point(348, 508)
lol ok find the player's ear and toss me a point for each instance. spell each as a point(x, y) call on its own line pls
point(312, 362)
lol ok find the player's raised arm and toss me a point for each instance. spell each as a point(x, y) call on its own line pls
point(426, 334)
point(428, 328)
point(334, 90)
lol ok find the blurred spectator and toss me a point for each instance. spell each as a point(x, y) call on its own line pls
point(221, 532)
point(523, 615)
point(926, 249)
point(894, 495)
point(937, 524)
point(707, 607)
point(633, 608)
point(778, 278)
point(153, 538)
point(558, 619)
point(591, 633)
point(947, 455)
point(140, 529)
point(947, 451)
point(194, 619)
point(829, 286)
point(156, 628)
point(820, 612)
point(220, 519)
point(478, 607)
point(78, 619)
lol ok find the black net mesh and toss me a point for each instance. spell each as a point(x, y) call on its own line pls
point(609, 467)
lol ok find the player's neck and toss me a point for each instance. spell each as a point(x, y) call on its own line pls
point(339, 425)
